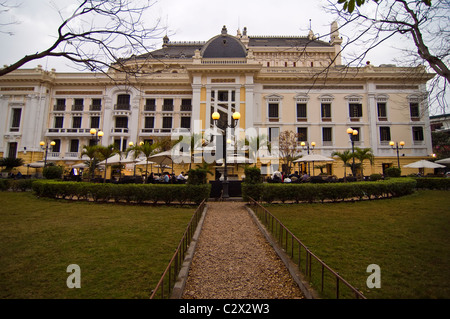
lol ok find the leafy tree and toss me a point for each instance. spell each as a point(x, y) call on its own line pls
point(288, 141)
point(363, 154)
point(10, 162)
point(344, 156)
point(91, 152)
point(106, 152)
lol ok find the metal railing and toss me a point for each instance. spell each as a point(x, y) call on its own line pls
point(322, 276)
point(165, 285)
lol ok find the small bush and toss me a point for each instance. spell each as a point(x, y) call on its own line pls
point(252, 175)
point(52, 172)
point(197, 176)
point(393, 172)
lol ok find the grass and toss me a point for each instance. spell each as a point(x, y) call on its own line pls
point(408, 237)
point(122, 250)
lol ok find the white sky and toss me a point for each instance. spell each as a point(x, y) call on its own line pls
point(193, 20)
point(186, 20)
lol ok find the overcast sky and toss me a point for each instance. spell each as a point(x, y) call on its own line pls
point(193, 20)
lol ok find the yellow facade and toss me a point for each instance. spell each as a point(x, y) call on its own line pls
point(276, 83)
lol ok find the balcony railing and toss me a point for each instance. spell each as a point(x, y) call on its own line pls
point(167, 108)
point(95, 107)
point(78, 107)
point(59, 108)
point(125, 107)
point(150, 108)
point(186, 108)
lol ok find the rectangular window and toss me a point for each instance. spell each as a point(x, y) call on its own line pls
point(302, 134)
point(95, 121)
point(12, 150)
point(273, 111)
point(76, 122)
point(417, 133)
point(355, 110)
point(74, 145)
point(327, 137)
point(60, 105)
point(59, 121)
point(149, 122)
point(274, 133)
point(15, 121)
point(301, 111)
point(57, 147)
point(356, 138)
point(385, 134)
point(186, 105)
point(414, 110)
point(150, 105)
point(78, 105)
point(121, 144)
point(168, 105)
point(123, 102)
point(167, 122)
point(122, 122)
point(96, 105)
point(381, 111)
point(185, 122)
point(326, 111)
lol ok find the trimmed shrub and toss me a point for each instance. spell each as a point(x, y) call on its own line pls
point(197, 176)
point(130, 193)
point(328, 191)
point(393, 172)
point(252, 175)
point(52, 172)
point(433, 183)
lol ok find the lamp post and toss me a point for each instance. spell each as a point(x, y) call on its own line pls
point(307, 148)
point(216, 116)
point(395, 145)
point(96, 135)
point(46, 147)
point(352, 134)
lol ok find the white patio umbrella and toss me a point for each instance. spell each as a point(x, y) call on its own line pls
point(314, 158)
point(444, 161)
point(116, 159)
point(80, 165)
point(37, 164)
point(167, 157)
point(424, 164)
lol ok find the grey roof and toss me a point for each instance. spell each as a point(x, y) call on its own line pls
point(174, 51)
point(285, 42)
point(224, 46)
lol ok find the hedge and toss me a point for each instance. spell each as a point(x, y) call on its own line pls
point(130, 193)
point(433, 183)
point(309, 192)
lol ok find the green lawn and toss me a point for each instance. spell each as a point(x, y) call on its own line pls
point(408, 237)
point(122, 250)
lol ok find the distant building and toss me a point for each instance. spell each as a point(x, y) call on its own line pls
point(277, 83)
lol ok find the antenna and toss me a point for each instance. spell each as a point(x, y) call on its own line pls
point(310, 25)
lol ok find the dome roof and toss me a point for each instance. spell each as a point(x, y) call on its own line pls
point(224, 46)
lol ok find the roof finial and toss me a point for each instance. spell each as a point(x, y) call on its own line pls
point(224, 30)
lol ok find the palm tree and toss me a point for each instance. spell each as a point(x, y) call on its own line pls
point(147, 150)
point(106, 152)
point(91, 152)
point(344, 156)
point(362, 154)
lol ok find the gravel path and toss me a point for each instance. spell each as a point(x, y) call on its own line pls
point(234, 261)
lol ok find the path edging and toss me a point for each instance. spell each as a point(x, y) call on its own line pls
point(298, 277)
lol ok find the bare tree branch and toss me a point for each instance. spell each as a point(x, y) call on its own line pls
point(98, 34)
